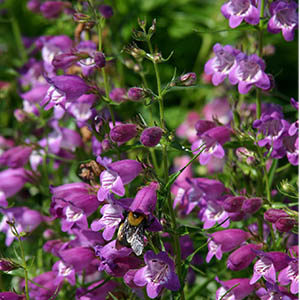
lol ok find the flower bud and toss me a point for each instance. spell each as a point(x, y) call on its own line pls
point(237, 216)
point(106, 11)
point(52, 9)
point(34, 5)
point(150, 137)
point(117, 95)
point(123, 133)
point(272, 215)
point(234, 203)
point(99, 59)
point(188, 79)
point(252, 205)
point(244, 154)
point(285, 224)
point(152, 28)
point(242, 257)
point(7, 265)
point(80, 17)
point(136, 93)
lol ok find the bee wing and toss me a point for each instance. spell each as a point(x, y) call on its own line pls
point(136, 240)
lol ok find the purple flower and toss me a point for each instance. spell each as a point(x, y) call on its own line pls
point(273, 214)
point(291, 145)
point(268, 264)
point(158, 273)
point(273, 291)
point(225, 241)
point(285, 224)
point(290, 275)
point(11, 182)
point(64, 88)
point(117, 95)
point(233, 203)
point(252, 205)
point(16, 157)
point(73, 218)
point(213, 139)
point(112, 215)
point(242, 257)
point(63, 272)
point(241, 291)
point(218, 109)
point(52, 9)
point(187, 128)
point(136, 94)
point(249, 71)
point(11, 296)
point(26, 220)
point(34, 5)
point(220, 65)
point(116, 176)
point(151, 136)
point(145, 199)
point(188, 79)
point(123, 133)
point(106, 11)
point(238, 10)
point(284, 18)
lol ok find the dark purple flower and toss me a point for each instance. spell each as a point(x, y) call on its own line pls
point(220, 65)
point(16, 157)
point(123, 133)
point(249, 71)
point(117, 95)
point(291, 145)
point(158, 273)
point(273, 214)
point(64, 60)
point(285, 224)
point(242, 289)
point(242, 257)
point(151, 136)
point(7, 265)
point(252, 205)
point(99, 59)
point(225, 241)
point(238, 10)
point(145, 199)
point(273, 291)
point(284, 18)
point(290, 275)
point(11, 296)
point(106, 11)
point(233, 203)
point(34, 5)
point(136, 94)
point(52, 9)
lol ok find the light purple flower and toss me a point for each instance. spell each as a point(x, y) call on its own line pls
point(290, 275)
point(63, 272)
point(225, 241)
point(218, 109)
point(268, 264)
point(158, 273)
point(112, 215)
point(187, 128)
point(73, 218)
point(220, 65)
point(16, 157)
point(116, 176)
point(64, 88)
point(273, 292)
point(117, 95)
point(249, 71)
point(284, 18)
point(213, 139)
point(238, 10)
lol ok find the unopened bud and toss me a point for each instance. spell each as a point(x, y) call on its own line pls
point(142, 23)
point(123, 133)
point(136, 93)
point(157, 57)
point(106, 11)
point(117, 95)
point(252, 205)
point(81, 18)
point(273, 214)
point(150, 137)
point(99, 59)
point(285, 224)
point(188, 79)
point(7, 265)
point(152, 28)
point(234, 203)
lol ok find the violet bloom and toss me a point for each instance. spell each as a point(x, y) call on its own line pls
point(63, 272)
point(46, 289)
point(64, 88)
point(225, 241)
point(73, 218)
point(284, 18)
point(187, 128)
point(112, 215)
point(213, 139)
point(218, 109)
point(158, 273)
point(268, 264)
point(249, 71)
point(117, 95)
point(242, 257)
point(273, 291)
point(241, 290)
point(11, 182)
point(26, 220)
point(52, 9)
point(291, 146)
point(290, 275)
point(116, 176)
point(136, 94)
point(11, 296)
point(220, 65)
point(238, 10)
point(188, 79)
point(16, 157)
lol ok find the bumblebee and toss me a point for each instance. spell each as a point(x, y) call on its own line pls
point(131, 232)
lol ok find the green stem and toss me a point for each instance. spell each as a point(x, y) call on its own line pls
point(166, 176)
